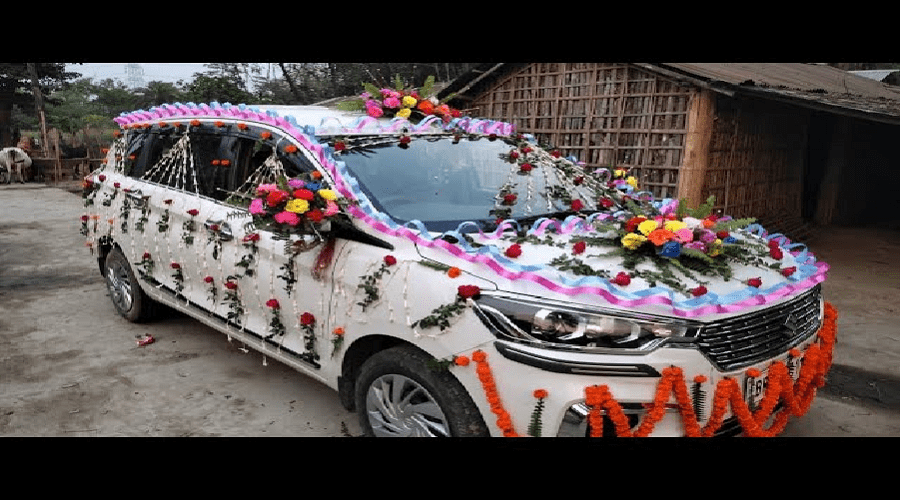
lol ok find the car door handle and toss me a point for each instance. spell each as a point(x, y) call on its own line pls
point(138, 200)
point(222, 228)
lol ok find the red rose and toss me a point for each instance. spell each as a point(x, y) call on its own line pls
point(788, 271)
point(213, 227)
point(526, 167)
point(526, 149)
point(514, 251)
point(251, 237)
point(722, 235)
point(606, 202)
point(578, 180)
point(276, 197)
point(208, 279)
point(193, 212)
point(468, 291)
point(307, 319)
point(304, 194)
point(102, 178)
point(700, 290)
point(773, 244)
point(116, 185)
point(775, 253)
point(315, 215)
point(176, 265)
point(405, 139)
point(555, 153)
point(622, 279)
point(390, 260)
point(272, 304)
point(339, 146)
point(146, 255)
point(231, 285)
point(579, 247)
point(512, 154)
point(754, 282)
point(633, 223)
point(167, 202)
point(509, 199)
point(577, 205)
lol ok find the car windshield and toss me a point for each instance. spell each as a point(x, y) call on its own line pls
point(442, 181)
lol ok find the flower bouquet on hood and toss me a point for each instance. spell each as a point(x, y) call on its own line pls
point(400, 101)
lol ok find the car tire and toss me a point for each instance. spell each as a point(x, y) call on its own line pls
point(400, 394)
point(125, 290)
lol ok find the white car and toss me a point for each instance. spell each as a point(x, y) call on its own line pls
point(449, 277)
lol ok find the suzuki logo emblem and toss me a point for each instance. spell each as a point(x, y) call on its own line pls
point(790, 323)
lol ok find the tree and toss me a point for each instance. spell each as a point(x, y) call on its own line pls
point(16, 91)
point(222, 89)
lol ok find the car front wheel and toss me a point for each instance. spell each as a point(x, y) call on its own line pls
point(124, 289)
point(398, 394)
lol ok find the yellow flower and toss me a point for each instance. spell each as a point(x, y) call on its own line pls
point(620, 172)
point(633, 240)
point(674, 225)
point(328, 194)
point(409, 101)
point(631, 181)
point(297, 206)
point(404, 113)
point(647, 227)
point(715, 248)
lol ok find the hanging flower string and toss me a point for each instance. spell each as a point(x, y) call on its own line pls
point(796, 397)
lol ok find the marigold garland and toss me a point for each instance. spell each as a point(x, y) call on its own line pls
point(796, 396)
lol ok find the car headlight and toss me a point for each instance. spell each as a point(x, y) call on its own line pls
point(562, 325)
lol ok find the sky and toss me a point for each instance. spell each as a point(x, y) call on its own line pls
point(164, 72)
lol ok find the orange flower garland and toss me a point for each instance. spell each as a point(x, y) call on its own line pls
point(796, 396)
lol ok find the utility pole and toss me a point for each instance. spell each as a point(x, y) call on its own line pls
point(39, 105)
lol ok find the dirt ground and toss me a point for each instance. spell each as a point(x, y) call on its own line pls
point(69, 366)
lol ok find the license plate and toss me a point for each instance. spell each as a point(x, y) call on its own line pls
point(755, 387)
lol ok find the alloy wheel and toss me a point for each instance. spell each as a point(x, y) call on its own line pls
point(119, 283)
point(398, 406)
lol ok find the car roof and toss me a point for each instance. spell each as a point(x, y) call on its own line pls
point(311, 119)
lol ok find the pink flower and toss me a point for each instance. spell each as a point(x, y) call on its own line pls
point(331, 208)
point(684, 235)
point(296, 183)
point(256, 207)
point(264, 189)
point(392, 102)
point(289, 218)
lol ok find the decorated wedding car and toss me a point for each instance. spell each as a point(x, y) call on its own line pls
point(450, 277)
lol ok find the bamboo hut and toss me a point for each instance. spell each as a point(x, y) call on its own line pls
point(788, 143)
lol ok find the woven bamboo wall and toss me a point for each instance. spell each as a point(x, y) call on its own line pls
point(607, 115)
point(756, 159)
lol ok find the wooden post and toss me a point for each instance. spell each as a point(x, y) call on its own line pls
point(698, 139)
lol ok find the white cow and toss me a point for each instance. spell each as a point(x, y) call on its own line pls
point(14, 159)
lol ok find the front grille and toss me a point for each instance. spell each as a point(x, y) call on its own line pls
point(742, 341)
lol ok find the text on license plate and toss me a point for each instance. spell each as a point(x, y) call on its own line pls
point(755, 387)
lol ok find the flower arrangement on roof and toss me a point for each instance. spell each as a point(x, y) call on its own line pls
point(401, 101)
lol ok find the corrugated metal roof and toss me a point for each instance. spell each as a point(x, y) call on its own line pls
point(819, 84)
point(875, 74)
